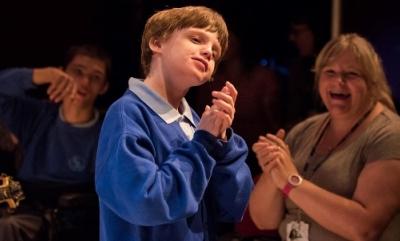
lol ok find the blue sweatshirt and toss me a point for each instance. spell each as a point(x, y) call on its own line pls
point(155, 183)
point(54, 151)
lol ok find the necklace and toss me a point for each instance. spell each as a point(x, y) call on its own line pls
point(344, 138)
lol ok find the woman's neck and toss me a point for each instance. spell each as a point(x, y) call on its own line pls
point(343, 124)
point(340, 130)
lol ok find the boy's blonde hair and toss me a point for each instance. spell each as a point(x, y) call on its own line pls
point(371, 66)
point(165, 22)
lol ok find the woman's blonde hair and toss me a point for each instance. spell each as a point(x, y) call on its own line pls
point(371, 66)
point(165, 22)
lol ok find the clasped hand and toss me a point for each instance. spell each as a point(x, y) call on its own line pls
point(274, 158)
point(218, 117)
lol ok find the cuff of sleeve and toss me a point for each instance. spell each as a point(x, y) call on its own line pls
point(27, 78)
point(229, 133)
point(210, 142)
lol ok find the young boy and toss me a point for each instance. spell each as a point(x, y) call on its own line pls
point(59, 141)
point(162, 173)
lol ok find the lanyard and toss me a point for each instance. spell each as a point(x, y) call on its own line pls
point(325, 125)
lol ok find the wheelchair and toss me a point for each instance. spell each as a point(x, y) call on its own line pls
point(68, 213)
point(74, 218)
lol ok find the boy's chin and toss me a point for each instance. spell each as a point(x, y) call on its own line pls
point(205, 80)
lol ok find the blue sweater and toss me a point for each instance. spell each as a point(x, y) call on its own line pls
point(54, 151)
point(156, 184)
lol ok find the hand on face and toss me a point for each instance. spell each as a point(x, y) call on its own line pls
point(60, 83)
point(274, 157)
point(219, 117)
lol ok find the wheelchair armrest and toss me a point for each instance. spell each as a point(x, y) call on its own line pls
point(77, 199)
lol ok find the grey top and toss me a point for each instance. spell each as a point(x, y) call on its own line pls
point(339, 172)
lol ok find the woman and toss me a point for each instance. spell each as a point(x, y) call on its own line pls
point(337, 175)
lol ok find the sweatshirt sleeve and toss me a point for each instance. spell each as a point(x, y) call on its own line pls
point(16, 81)
point(231, 182)
point(19, 113)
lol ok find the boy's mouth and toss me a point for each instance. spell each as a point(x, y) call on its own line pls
point(81, 94)
point(203, 62)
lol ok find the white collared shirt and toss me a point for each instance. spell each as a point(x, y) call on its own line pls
point(163, 108)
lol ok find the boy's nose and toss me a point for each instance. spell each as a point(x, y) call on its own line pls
point(207, 53)
point(84, 81)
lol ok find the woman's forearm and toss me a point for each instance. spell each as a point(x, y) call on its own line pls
point(266, 204)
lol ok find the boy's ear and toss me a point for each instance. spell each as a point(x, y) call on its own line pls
point(155, 45)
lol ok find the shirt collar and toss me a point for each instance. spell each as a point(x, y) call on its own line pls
point(87, 124)
point(158, 104)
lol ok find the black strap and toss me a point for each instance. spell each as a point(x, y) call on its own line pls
point(322, 133)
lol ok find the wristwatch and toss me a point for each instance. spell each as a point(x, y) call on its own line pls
point(294, 180)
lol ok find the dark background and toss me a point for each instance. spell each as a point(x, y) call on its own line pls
point(37, 33)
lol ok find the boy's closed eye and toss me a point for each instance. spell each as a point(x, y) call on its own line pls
point(196, 40)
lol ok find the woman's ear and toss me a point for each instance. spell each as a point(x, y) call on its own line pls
point(155, 45)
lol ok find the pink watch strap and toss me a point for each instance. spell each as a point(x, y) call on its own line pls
point(286, 189)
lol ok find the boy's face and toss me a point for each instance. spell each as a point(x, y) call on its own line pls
point(190, 54)
point(90, 76)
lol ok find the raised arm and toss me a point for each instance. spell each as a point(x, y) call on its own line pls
point(16, 81)
point(266, 205)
